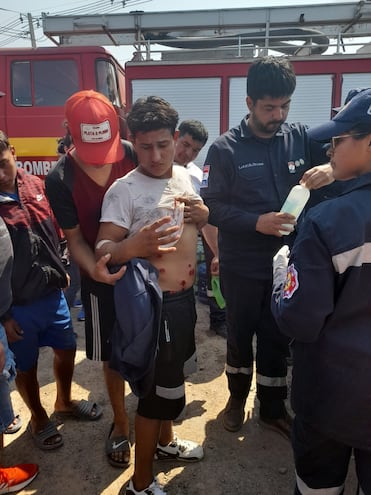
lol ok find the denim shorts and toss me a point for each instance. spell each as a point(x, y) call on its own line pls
point(8, 373)
point(45, 322)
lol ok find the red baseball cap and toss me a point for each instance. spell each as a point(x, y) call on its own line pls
point(94, 127)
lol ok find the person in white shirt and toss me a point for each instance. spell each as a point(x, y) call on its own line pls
point(192, 137)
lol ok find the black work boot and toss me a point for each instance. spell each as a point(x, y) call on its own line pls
point(234, 414)
point(282, 426)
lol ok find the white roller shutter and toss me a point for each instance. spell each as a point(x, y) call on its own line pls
point(193, 98)
point(311, 101)
point(352, 81)
point(237, 100)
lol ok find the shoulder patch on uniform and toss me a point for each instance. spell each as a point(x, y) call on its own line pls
point(205, 176)
point(291, 283)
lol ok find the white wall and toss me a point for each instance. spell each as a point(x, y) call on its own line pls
point(311, 101)
point(193, 98)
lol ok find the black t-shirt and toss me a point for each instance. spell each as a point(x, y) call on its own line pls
point(76, 199)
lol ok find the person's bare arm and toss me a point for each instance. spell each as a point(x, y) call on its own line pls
point(274, 222)
point(210, 233)
point(147, 242)
point(85, 258)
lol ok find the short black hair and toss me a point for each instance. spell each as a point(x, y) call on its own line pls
point(270, 76)
point(151, 113)
point(195, 129)
point(60, 146)
point(63, 143)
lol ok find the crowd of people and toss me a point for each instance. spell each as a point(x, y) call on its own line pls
point(130, 214)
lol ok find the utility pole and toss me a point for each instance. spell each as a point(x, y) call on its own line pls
point(32, 32)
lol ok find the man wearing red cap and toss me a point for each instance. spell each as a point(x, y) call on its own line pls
point(76, 188)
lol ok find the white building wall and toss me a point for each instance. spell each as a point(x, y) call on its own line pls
point(352, 81)
point(310, 104)
point(193, 98)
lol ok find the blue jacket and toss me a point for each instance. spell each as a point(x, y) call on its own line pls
point(325, 305)
point(138, 304)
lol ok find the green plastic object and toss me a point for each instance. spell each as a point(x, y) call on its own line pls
point(217, 293)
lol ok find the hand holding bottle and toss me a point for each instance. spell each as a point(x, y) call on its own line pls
point(274, 222)
point(294, 204)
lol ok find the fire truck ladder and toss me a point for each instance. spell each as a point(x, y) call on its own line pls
point(292, 30)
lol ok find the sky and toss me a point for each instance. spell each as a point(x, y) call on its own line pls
point(11, 25)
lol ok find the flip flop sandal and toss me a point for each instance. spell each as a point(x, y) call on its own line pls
point(14, 426)
point(117, 444)
point(84, 410)
point(39, 437)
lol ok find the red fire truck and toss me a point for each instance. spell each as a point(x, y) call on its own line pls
point(215, 91)
point(35, 83)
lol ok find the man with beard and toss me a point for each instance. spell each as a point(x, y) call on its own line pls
point(248, 173)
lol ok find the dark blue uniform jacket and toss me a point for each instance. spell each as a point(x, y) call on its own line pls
point(246, 176)
point(325, 306)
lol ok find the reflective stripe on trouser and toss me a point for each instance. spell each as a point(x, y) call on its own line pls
point(271, 381)
point(239, 381)
point(235, 371)
point(249, 314)
point(304, 489)
point(322, 463)
point(170, 393)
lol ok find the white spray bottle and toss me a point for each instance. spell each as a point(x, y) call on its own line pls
point(294, 204)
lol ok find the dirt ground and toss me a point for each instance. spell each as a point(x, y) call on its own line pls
point(250, 462)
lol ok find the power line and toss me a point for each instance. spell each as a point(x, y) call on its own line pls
point(18, 28)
